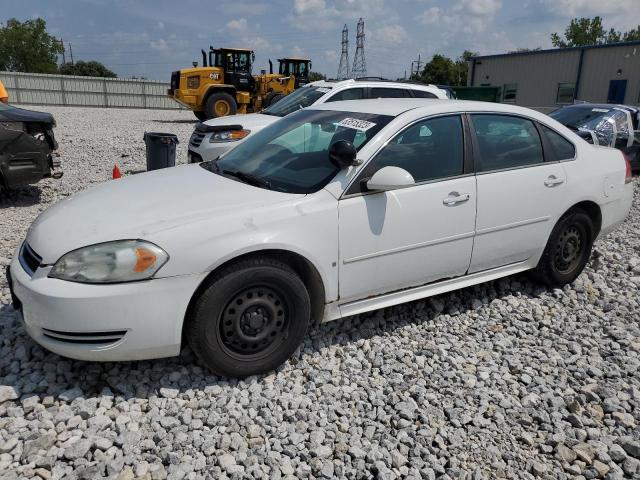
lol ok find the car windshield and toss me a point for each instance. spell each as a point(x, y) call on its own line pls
point(292, 154)
point(581, 116)
point(301, 98)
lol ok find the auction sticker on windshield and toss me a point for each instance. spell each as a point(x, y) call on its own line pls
point(356, 124)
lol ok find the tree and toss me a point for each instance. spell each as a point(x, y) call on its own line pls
point(87, 69)
point(27, 47)
point(589, 31)
point(442, 70)
point(315, 76)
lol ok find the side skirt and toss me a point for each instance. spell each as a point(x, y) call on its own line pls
point(335, 310)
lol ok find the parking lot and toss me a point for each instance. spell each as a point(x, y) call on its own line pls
point(507, 379)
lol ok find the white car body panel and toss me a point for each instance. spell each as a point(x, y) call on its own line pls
point(257, 121)
point(370, 251)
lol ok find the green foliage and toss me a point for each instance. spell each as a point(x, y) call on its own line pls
point(442, 70)
point(589, 31)
point(87, 69)
point(27, 47)
point(315, 76)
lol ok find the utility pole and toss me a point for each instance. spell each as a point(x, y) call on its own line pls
point(343, 68)
point(64, 60)
point(359, 69)
point(418, 67)
point(71, 53)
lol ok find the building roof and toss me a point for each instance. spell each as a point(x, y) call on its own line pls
point(558, 50)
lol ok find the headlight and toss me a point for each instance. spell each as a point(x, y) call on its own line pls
point(228, 136)
point(111, 262)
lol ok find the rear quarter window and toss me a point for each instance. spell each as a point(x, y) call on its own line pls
point(561, 148)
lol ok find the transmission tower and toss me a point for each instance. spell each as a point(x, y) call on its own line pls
point(343, 69)
point(359, 63)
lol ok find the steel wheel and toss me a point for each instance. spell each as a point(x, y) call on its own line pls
point(568, 251)
point(254, 322)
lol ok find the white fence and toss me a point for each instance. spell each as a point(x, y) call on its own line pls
point(41, 89)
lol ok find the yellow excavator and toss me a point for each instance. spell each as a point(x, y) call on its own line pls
point(224, 84)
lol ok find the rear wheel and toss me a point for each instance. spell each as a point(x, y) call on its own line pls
point(220, 104)
point(250, 319)
point(567, 251)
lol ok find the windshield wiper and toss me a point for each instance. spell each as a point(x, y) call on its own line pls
point(248, 178)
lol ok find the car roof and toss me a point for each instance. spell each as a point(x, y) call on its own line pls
point(398, 106)
point(375, 83)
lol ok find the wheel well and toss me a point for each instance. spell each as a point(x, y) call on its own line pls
point(593, 210)
point(212, 90)
point(303, 267)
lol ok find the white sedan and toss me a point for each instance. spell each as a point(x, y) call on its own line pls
point(331, 211)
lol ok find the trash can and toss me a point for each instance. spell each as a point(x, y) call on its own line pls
point(161, 150)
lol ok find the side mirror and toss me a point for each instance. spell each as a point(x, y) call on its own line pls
point(390, 178)
point(342, 154)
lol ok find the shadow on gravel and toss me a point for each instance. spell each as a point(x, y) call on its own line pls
point(20, 197)
point(143, 379)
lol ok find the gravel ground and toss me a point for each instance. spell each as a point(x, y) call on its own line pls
point(506, 379)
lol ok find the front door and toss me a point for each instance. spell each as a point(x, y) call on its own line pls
point(617, 91)
point(518, 192)
point(413, 235)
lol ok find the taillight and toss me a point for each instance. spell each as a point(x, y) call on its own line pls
point(628, 177)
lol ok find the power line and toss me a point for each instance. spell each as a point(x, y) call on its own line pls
point(359, 63)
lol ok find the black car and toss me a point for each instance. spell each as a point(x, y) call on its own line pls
point(27, 145)
point(605, 124)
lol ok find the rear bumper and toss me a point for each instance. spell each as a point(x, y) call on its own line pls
point(25, 169)
point(129, 321)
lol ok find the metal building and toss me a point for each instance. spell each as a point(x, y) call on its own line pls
point(547, 79)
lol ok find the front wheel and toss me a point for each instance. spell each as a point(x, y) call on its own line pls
point(250, 319)
point(567, 251)
point(220, 104)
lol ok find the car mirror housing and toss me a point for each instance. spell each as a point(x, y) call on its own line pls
point(342, 154)
point(390, 178)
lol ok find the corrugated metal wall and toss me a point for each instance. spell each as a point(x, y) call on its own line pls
point(539, 74)
point(40, 89)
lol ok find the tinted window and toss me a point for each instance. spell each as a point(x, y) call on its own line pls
point(429, 150)
point(423, 94)
point(377, 92)
point(349, 94)
point(562, 149)
point(506, 142)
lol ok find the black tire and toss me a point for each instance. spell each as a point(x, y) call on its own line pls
point(212, 107)
point(568, 250)
point(202, 116)
point(268, 100)
point(250, 319)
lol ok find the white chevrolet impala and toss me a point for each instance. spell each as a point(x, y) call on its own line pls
point(331, 211)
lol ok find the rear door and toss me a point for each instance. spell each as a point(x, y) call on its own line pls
point(519, 193)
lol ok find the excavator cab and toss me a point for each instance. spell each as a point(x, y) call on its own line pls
point(296, 67)
point(236, 65)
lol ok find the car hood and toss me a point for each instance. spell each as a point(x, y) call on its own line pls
point(141, 206)
point(9, 113)
point(251, 121)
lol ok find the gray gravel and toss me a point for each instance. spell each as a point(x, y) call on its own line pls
point(506, 379)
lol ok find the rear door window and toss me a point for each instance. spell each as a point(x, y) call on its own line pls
point(423, 94)
point(506, 142)
point(382, 92)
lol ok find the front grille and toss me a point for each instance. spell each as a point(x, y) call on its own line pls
point(196, 138)
point(87, 338)
point(29, 259)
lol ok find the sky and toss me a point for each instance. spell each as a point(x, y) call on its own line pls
point(152, 38)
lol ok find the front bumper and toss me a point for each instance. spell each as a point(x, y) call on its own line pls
point(127, 321)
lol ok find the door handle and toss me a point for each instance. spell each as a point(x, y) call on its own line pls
point(455, 198)
point(553, 181)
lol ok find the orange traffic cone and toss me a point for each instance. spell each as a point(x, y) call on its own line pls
point(116, 172)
